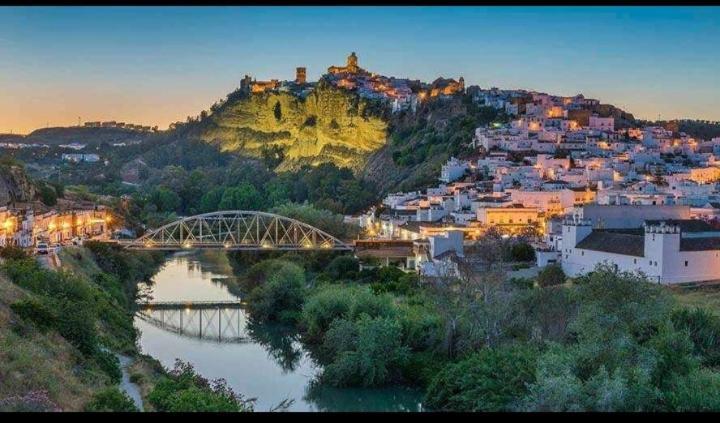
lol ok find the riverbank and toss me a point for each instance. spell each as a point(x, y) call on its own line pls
point(61, 329)
point(266, 361)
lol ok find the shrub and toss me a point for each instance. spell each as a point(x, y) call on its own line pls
point(335, 302)
point(11, 252)
point(137, 378)
point(522, 251)
point(489, 380)
point(38, 312)
point(183, 390)
point(704, 330)
point(281, 297)
point(698, 391)
point(109, 364)
point(111, 400)
point(551, 275)
point(48, 196)
point(368, 352)
point(343, 267)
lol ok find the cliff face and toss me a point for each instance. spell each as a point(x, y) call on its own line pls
point(15, 185)
point(329, 125)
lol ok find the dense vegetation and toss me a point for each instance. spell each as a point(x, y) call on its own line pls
point(183, 390)
point(475, 341)
point(244, 185)
point(84, 305)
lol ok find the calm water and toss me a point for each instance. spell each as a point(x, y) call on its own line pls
point(259, 361)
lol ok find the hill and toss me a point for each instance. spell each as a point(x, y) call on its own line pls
point(329, 125)
point(73, 134)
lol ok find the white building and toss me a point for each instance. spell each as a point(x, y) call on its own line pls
point(77, 157)
point(602, 124)
point(453, 170)
point(669, 252)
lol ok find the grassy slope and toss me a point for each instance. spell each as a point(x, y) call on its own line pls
point(31, 360)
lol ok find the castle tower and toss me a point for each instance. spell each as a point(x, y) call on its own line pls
point(462, 83)
point(662, 245)
point(245, 84)
point(300, 75)
point(352, 63)
point(574, 230)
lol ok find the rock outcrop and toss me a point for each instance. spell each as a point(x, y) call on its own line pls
point(15, 185)
point(329, 125)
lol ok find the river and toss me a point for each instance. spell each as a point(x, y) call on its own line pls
point(265, 362)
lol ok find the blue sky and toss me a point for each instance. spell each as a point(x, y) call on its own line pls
point(155, 65)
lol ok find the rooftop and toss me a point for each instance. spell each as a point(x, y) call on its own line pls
point(614, 242)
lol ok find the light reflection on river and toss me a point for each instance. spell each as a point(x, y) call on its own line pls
point(270, 365)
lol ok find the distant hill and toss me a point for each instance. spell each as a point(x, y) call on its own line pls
point(74, 134)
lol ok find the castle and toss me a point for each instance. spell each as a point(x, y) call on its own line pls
point(351, 67)
point(442, 86)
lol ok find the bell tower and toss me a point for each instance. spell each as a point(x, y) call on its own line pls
point(352, 63)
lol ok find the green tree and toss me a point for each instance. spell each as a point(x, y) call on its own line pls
point(551, 275)
point(523, 251)
point(277, 111)
point(165, 200)
point(342, 267)
point(48, 195)
point(281, 297)
point(210, 201)
point(242, 197)
point(368, 352)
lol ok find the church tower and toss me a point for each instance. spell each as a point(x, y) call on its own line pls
point(352, 63)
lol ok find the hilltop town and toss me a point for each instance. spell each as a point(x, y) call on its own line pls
point(587, 181)
point(402, 93)
point(589, 192)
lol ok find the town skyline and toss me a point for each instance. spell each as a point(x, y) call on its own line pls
point(87, 62)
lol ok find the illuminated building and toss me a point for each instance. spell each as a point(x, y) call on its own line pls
point(300, 75)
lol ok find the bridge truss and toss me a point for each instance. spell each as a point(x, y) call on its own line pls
point(224, 323)
point(237, 230)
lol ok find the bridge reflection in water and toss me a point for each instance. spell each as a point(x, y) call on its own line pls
point(218, 321)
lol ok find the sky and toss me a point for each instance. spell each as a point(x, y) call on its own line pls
point(157, 65)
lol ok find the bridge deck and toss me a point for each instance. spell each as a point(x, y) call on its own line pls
point(193, 305)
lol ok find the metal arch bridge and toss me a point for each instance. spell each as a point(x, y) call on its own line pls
point(237, 230)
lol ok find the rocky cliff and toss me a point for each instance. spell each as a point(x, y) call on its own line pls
point(15, 185)
point(329, 125)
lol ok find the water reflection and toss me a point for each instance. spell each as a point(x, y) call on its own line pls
point(258, 360)
point(217, 324)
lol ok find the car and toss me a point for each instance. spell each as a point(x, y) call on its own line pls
point(77, 241)
point(42, 248)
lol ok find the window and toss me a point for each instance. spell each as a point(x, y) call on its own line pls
point(686, 263)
